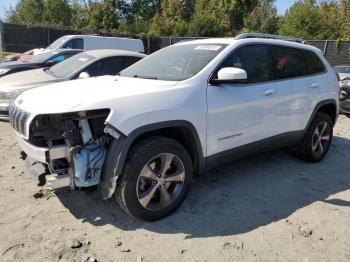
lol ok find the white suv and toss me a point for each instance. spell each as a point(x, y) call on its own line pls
point(143, 134)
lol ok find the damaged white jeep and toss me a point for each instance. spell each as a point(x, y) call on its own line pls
point(143, 134)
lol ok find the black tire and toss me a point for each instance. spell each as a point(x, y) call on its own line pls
point(306, 149)
point(127, 190)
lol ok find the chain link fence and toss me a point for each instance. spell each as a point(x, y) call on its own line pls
point(21, 38)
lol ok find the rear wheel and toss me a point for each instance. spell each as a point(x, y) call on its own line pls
point(317, 140)
point(155, 180)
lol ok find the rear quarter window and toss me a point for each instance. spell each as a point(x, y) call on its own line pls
point(288, 62)
point(314, 63)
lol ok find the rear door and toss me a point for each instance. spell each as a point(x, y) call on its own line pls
point(242, 113)
point(292, 76)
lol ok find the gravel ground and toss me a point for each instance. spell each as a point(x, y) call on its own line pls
point(270, 207)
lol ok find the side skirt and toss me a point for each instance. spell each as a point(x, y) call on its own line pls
point(262, 146)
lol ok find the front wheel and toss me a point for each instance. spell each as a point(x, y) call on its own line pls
point(317, 140)
point(156, 178)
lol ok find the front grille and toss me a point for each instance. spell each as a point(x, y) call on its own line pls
point(18, 119)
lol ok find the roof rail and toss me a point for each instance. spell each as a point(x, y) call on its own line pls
point(270, 36)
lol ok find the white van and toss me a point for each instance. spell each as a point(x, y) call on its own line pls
point(92, 42)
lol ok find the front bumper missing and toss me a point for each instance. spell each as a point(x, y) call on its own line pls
point(42, 154)
point(4, 113)
point(39, 158)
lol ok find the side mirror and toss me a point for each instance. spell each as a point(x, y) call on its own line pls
point(83, 75)
point(50, 63)
point(231, 75)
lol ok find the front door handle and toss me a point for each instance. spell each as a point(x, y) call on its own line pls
point(315, 85)
point(269, 92)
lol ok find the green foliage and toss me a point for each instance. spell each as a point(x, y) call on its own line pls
point(263, 18)
point(102, 16)
point(303, 20)
point(309, 19)
point(29, 12)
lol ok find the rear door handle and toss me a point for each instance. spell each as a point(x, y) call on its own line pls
point(316, 85)
point(269, 92)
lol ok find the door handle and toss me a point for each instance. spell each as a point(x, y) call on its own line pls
point(269, 92)
point(315, 85)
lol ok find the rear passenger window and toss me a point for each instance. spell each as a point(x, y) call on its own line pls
point(314, 63)
point(288, 62)
point(254, 59)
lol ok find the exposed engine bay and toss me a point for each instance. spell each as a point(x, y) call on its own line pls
point(78, 145)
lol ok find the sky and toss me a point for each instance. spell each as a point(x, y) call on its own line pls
point(282, 6)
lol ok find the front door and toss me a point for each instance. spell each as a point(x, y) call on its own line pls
point(242, 113)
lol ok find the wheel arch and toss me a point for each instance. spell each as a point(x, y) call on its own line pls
point(328, 107)
point(180, 130)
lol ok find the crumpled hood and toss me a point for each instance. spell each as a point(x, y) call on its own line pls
point(86, 94)
point(26, 79)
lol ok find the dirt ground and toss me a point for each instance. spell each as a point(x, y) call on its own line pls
point(270, 207)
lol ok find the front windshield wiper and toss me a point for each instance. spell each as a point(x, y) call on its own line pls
point(145, 77)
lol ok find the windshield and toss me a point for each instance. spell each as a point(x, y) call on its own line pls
point(342, 69)
point(42, 58)
point(57, 43)
point(174, 63)
point(70, 65)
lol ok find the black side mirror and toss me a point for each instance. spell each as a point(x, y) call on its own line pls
point(50, 63)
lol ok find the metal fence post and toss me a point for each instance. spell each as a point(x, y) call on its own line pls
point(148, 45)
point(2, 48)
point(48, 36)
point(325, 47)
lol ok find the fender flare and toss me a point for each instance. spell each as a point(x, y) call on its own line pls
point(318, 106)
point(114, 163)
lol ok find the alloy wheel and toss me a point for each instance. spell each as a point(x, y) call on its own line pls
point(321, 138)
point(160, 182)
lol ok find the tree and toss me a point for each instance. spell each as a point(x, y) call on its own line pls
point(79, 15)
point(304, 20)
point(263, 18)
point(29, 12)
point(210, 19)
point(103, 16)
point(57, 12)
point(169, 21)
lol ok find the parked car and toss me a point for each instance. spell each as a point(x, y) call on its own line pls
point(343, 71)
point(142, 135)
point(345, 96)
point(17, 56)
point(44, 60)
point(83, 65)
point(92, 42)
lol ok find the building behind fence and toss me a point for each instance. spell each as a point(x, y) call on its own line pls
point(20, 38)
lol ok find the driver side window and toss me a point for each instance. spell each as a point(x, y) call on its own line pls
point(254, 59)
point(77, 43)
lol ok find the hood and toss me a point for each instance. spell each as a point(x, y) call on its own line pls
point(26, 79)
point(86, 94)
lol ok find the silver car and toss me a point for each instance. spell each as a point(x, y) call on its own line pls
point(83, 65)
point(343, 71)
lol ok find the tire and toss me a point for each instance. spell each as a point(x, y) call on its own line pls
point(144, 190)
point(314, 147)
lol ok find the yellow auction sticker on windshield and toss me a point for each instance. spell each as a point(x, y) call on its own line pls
point(208, 47)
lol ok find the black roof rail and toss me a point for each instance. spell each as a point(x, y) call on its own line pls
point(270, 36)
